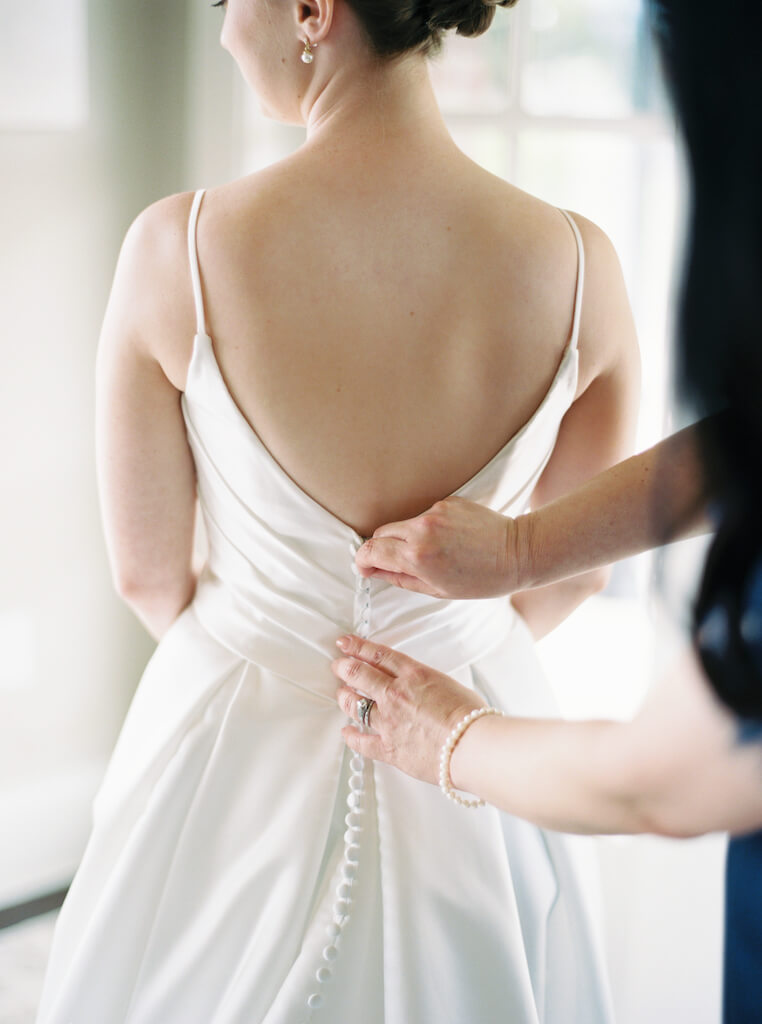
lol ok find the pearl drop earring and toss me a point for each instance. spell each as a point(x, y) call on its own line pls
point(307, 55)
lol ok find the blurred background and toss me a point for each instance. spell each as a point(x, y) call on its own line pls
point(107, 106)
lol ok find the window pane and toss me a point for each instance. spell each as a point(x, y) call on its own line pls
point(595, 173)
point(488, 146)
point(264, 141)
point(43, 65)
point(588, 58)
point(473, 75)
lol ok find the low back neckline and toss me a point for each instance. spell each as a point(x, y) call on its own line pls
point(203, 347)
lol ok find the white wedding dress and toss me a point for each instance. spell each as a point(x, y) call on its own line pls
point(243, 868)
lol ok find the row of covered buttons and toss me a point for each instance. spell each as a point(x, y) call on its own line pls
point(362, 597)
point(351, 856)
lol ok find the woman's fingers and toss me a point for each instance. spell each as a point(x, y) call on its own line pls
point(401, 580)
point(364, 743)
point(400, 530)
point(384, 552)
point(378, 655)
point(368, 669)
point(347, 700)
point(415, 706)
point(359, 676)
point(456, 549)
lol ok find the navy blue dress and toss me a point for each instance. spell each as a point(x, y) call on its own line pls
point(742, 986)
point(729, 642)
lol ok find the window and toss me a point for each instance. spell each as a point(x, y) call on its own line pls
point(43, 65)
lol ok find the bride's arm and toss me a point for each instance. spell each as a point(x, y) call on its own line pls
point(146, 477)
point(598, 429)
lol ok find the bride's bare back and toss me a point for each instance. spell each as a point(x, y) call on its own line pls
point(385, 313)
point(384, 335)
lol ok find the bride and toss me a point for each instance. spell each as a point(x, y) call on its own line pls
point(391, 324)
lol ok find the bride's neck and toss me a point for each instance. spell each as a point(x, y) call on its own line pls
point(372, 104)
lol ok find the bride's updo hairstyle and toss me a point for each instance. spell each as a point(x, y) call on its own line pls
point(395, 27)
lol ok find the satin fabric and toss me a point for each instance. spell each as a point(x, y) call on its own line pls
point(207, 885)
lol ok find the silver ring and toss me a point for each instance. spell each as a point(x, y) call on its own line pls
point(364, 706)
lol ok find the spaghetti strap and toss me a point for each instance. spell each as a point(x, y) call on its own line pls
point(580, 280)
point(198, 297)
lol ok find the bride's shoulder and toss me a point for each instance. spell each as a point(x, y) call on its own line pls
point(151, 275)
point(529, 242)
point(550, 246)
point(542, 230)
point(161, 228)
point(554, 264)
point(153, 259)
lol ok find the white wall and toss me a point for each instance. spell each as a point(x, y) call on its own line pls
point(70, 654)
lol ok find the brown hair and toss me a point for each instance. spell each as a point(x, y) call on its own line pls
point(394, 27)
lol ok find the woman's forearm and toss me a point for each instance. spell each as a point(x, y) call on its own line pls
point(460, 549)
point(679, 768)
point(566, 776)
point(647, 500)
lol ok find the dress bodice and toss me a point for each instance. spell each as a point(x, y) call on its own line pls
point(281, 579)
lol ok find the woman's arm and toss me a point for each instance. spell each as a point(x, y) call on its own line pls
point(677, 769)
point(650, 499)
point(146, 475)
point(599, 428)
point(460, 549)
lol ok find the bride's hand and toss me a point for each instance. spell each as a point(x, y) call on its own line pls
point(415, 707)
point(456, 549)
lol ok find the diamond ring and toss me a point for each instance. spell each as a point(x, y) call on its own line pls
point(364, 706)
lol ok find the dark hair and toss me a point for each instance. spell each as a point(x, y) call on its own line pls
point(714, 74)
point(395, 27)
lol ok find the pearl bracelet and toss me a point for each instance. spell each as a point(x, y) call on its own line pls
point(445, 782)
